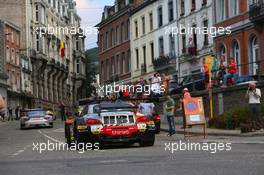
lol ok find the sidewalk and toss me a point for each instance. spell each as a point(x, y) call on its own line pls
point(210, 131)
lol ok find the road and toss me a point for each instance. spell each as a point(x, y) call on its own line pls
point(19, 156)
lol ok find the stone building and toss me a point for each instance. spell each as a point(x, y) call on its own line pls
point(245, 43)
point(48, 77)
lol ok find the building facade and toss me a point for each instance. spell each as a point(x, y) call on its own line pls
point(245, 43)
point(12, 63)
point(194, 45)
point(3, 75)
point(153, 43)
point(49, 77)
point(114, 42)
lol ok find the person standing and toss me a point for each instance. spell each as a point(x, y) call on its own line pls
point(155, 85)
point(165, 82)
point(10, 114)
point(254, 95)
point(169, 108)
point(17, 112)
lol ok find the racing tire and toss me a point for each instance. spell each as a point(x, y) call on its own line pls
point(68, 135)
point(147, 140)
point(22, 127)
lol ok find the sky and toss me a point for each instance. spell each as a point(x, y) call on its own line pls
point(90, 12)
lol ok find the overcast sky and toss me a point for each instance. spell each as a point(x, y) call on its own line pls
point(91, 13)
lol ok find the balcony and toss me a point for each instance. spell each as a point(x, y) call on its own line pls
point(164, 62)
point(256, 12)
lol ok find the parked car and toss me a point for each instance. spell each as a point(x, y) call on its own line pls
point(35, 118)
point(110, 122)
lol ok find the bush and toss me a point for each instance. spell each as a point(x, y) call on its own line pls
point(230, 120)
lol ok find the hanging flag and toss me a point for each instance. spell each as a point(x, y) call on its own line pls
point(62, 49)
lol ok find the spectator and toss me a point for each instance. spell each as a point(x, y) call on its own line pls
point(221, 71)
point(169, 109)
point(214, 69)
point(191, 47)
point(17, 110)
point(10, 114)
point(254, 95)
point(165, 82)
point(232, 72)
point(205, 72)
point(155, 85)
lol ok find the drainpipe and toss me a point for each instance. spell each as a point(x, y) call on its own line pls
point(178, 43)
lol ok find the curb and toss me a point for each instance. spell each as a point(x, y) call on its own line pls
point(254, 134)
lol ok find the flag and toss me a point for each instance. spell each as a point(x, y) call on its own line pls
point(62, 49)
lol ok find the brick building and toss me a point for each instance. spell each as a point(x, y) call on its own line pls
point(245, 43)
point(114, 42)
point(12, 63)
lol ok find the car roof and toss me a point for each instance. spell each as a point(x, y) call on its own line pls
point(116, 105)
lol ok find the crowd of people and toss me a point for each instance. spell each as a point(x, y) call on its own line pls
point(222, 74)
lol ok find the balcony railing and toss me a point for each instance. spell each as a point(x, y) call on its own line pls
point(256, 11)
point(164, 61)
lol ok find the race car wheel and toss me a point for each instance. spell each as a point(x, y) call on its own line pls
point(147, 140)
point(68, 135)
point(22, 126)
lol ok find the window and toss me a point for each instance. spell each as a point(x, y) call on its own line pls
point(193, 5)
point(172, 44)
point(137, 59)
point(117, 34)
point(143, 25)
point(254, 56)
point(221, 12)
point(128, 29)
point(42, 14)
point(136, 29)
point(17, 39)
point(78, 66)
point(152, 51)
point(233, 8)
point(144, 55)
point(151, 21)
point(112, 37)
point(122, 32)
point(113, 65)
point(101, 42)
point(128, 61)
point(236, 54)
point(183, 42)
point(204, 2)
point(205, 24)
point(123, 65)
point(37, 42)
point(13, 56)
point(17, 58)
point(37, 13)
point(182, 8)
point(161, 47)
point(106, 40)
point(170, 6)
point(117, 65)
point(7, 54)
point(12, 37)
point(102, 70)
point(160, 17)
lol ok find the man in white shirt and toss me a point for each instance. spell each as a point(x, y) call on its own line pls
point(155, 84)
point(254, 95)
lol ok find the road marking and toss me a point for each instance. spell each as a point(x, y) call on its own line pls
point(21, 150)
point(112, 161)
point(49, 137)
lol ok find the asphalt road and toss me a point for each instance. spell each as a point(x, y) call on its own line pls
point(19, 156)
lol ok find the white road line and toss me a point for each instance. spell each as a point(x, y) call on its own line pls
point(112, 161)
point(49, 137)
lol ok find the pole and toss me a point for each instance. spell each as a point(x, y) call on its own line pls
point(210, 94)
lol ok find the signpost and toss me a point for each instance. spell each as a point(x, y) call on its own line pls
point(194, 114)
point(210, 62)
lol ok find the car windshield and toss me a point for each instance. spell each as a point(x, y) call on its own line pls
point(36, 113)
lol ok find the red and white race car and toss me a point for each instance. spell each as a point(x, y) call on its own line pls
point(111, 122)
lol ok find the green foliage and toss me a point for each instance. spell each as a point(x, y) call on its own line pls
point(232, 119)
point(91, 70)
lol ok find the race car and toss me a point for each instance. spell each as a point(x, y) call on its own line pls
point(35, 118)
point(109, 122)
point(156, 118)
